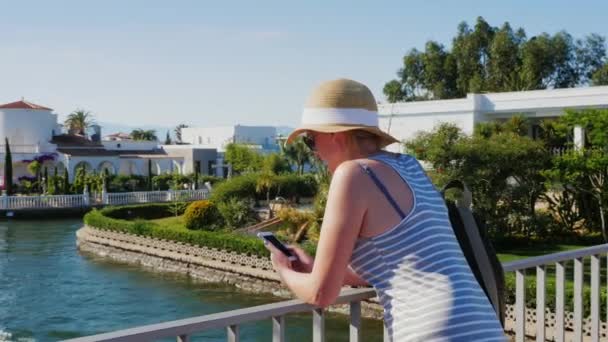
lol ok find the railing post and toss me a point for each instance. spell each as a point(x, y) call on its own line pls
point(520, 305)
point(385, 337)
point(4, 200)
point(233, 333)
point(318, 325)
point(85, 196)
point(559, 333)
point(540, 303)
point(578, 299)
point(278, 329)
point(355, 322)
point(595, 298)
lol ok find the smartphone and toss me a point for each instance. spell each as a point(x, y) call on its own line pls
point(268, 236)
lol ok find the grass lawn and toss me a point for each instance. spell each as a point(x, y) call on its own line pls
point(528, 252)
point(173, 222)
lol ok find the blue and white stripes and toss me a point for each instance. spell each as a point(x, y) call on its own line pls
point(422, 278)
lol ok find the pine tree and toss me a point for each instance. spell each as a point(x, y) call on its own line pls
point(8, 168)
point(66, 182)
point(46, 178)
point(150, 173)
point(168, 139)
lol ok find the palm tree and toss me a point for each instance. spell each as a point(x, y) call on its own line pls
point(141, 134)
point(78, 121)
point(178, 132)
point(298, 154)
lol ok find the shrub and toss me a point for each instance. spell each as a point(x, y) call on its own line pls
point(168, 181)
point(240, 187)
point(202, 215)
point(237, 212)
point(244, 187)
point(126, 183)
point(220, 240)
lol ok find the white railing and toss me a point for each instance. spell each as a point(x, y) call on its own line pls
point(86, 200)
point(41, 202)
point(155, 196)
point(230, 320)
point(560, 262)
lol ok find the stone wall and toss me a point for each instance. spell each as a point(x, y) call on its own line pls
point(248, 273)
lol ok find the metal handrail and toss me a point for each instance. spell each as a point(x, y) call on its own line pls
point(554, 257)
point(221, 320)
point(231, 320)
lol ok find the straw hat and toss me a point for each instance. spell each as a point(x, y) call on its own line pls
point(338, 106)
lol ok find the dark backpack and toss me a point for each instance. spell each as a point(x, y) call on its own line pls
point(477, 248)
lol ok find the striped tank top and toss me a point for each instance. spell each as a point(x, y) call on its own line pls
point(422, 278)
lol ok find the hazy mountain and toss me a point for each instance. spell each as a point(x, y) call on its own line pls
point(161, 131)
point(110, 127)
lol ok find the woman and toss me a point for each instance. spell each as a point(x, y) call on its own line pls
point(385, 225)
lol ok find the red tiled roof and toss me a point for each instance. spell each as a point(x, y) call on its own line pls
point(23, 105)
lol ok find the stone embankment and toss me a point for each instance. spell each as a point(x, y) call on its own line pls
point(246, 272)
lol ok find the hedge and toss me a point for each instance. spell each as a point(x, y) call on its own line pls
point(221, 240)
point(244, 186)
point(148, 211)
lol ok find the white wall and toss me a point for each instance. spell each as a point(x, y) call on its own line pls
point(130, 145)
point(409, 117)
point(219, 137)
point(27, 127)
point(209, 137)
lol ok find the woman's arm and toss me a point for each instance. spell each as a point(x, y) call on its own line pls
point(344, 214)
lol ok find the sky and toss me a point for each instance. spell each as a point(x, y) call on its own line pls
point(209, 63)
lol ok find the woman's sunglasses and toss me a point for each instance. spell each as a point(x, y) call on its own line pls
point(309, 141)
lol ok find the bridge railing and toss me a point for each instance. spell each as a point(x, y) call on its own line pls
point(230, 320)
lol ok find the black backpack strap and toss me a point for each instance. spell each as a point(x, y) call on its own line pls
point(382, 188)
point(478, 251)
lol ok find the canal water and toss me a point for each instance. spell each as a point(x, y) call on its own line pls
point(50, 291)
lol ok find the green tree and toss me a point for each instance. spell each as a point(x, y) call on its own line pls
point(8, 167)
point(486, 58)
point(66, 182)
point(501, 167)
point(78, 121)
point(587, 172)
point(34, 168)
point(600, 76)
point(144, 135)
point(243, 158)
point(168, 139)
point(275, 163)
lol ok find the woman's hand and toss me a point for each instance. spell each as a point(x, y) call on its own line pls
point(304, 263)
point(278, 259)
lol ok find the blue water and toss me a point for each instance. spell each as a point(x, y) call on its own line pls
point(50, 291)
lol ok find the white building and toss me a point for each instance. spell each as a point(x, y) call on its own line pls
point(261, 137)
point(403, 120)
point(34, 134)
